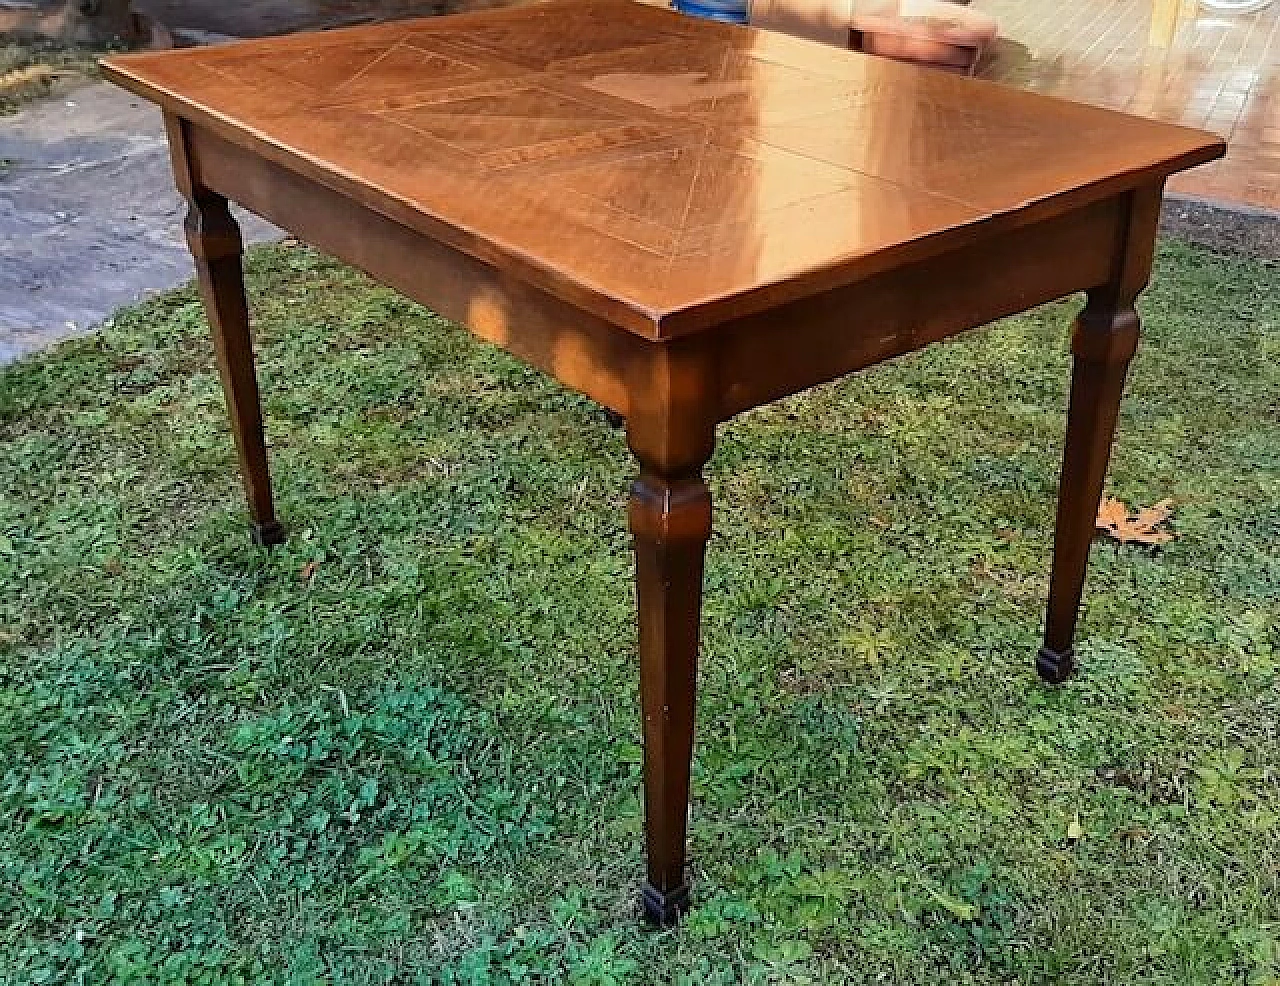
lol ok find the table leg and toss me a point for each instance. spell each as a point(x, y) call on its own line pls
point(1103, 342)
point(215, 244)
point(670, 521)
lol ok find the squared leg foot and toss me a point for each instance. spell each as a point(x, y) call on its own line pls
point(268, 534)
point(664, 909)
point(1055, 667)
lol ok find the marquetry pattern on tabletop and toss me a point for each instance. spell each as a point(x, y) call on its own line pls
point(665, 161)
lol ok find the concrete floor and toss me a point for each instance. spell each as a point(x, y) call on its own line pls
point(89, 219)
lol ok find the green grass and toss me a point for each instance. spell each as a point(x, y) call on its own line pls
point(422, 763)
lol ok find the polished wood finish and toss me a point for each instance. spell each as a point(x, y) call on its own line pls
point(682, 220)
point(662, 172)
point(671, 430)
point(1103, 341)
point(671, 521)
point(216, 247)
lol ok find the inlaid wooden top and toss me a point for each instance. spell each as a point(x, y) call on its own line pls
point(659, 171)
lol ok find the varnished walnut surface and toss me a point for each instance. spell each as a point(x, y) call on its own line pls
point(660, 171)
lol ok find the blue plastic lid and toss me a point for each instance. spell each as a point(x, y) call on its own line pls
point(731, 11)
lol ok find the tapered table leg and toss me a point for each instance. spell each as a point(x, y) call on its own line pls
point(1103, 342)
point(671, 428)
point(216, 247)
point(670, 521)
point(215, 244)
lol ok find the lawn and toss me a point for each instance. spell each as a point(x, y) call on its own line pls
point(404, 746)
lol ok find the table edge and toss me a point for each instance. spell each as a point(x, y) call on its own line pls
point(695, 315)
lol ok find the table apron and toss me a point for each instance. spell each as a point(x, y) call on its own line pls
point(764, 357)
point(746, 362)
point(580, 350)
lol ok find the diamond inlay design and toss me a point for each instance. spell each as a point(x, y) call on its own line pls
point(406, 68)
point(654, 160)
point(562, 34)
point(653, 198)
point(319, 69)
point(523, 125)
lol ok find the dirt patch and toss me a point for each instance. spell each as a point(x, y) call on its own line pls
point(73, 21)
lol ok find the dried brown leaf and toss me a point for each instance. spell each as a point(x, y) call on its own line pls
point(1155, 515)
point(30, 78)
point(1115, 522)
point(1112, 514)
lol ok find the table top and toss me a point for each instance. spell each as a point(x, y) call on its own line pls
point(660, 171)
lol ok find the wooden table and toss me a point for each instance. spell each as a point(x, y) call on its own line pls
point(682, 220)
